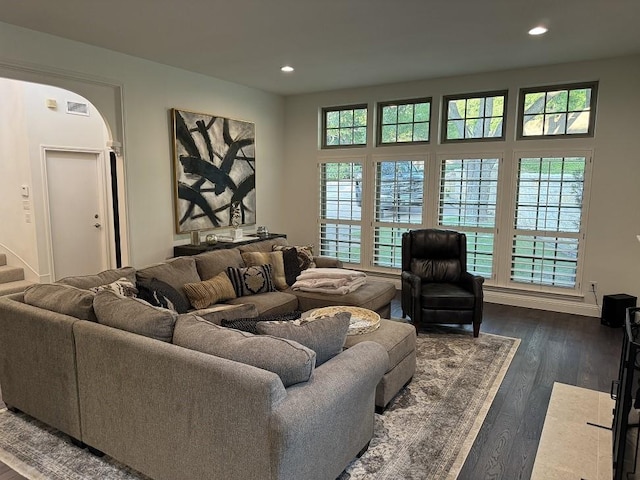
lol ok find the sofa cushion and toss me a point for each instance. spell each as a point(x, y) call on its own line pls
point(123, 287)
point(263, 245)
point(176, 272)
point(161, 294)
point(103, 278)
point(64, 299)
point(254, 259)
point(270, 303)
point(292, 362)
point(210, 264)
point(325, 335)
point(205, 293)
point(252, 280)
point(134, 315)
point(217, 313)
point(249, 324)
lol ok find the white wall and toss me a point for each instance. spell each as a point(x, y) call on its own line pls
point(612, 255)
point(34, 126)
point(17, 237)
point(149, 90)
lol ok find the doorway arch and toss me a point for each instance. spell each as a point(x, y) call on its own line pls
point(107, 99)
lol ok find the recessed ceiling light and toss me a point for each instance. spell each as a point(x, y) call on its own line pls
point(287, 69)
point(539, 30)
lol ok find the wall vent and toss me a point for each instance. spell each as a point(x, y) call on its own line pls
point(77, 108)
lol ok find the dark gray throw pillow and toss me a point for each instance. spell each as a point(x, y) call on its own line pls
point(325, 335)
point(161, 294)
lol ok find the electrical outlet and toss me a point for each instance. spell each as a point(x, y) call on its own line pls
point(594, 285)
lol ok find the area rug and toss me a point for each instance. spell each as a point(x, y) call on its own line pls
point(426, 432)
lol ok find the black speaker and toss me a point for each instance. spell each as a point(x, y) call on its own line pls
point(614, 309)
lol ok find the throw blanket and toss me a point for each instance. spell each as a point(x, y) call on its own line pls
point(336, 281)
point(330, 273)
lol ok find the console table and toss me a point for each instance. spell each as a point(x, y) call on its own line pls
point(188, 249)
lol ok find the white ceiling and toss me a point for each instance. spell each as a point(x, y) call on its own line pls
point(339, 43)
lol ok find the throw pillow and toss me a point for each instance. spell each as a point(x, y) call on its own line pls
point(304, 252)
point(214, 290)
point(251, 280)
point(292, 362)
point(275, 259)
point(63, 299)
point(123, 287)
point(249, 324)
point(134, 315)
point(220, 312)
point(161, 294)
point(176, 272)
point(291, 265)
point(325, 335)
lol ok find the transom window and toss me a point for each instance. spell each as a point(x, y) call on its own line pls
point(344, 126)
point(548, 220)
point(404, 121)
point(473, 117)
point(557, 110)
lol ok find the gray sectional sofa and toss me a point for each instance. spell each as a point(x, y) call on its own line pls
point(174, 412)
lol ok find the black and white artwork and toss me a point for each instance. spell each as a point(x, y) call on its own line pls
point(214, 171)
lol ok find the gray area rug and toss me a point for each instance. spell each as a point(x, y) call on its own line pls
point(426, 433)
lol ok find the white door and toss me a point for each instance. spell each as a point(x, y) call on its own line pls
point(76, 213)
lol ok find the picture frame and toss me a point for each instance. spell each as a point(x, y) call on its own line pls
point(213, 171)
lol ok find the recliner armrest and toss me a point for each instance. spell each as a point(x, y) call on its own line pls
point(472, 283)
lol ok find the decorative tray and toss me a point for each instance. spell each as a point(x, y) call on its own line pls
point(363, 320)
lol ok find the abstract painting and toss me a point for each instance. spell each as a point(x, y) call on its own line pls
point(214, 171)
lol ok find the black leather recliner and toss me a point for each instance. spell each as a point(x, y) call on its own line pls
point(436, 287)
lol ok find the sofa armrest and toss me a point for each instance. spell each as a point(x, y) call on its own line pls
point(327, 262)
point(37, 364)
point(331, 415)
point(171, 412)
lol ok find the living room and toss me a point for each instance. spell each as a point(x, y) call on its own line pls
point(135, 96)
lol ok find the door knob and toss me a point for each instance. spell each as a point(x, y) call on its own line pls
point(97, 225)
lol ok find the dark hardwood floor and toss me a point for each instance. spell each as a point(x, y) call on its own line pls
point(555, 347)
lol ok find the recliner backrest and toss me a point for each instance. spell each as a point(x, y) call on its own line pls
point(435, 255)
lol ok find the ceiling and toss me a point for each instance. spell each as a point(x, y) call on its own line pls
point(337, 44)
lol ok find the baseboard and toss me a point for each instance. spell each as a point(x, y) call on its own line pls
point(536, 301)
point(539, 302)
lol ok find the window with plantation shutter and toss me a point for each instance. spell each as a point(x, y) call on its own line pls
point(468, 198)
point(340, 210)
point(548, 220)
point(399, 202)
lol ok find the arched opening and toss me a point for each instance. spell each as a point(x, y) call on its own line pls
point(62, 181)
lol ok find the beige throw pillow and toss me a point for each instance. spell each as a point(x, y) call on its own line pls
point(214, 290)
point(254, 259)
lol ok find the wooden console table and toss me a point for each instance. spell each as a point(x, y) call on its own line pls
point(188, 249)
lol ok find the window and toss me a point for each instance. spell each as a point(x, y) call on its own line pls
point(468, 198)
point(474, 117)
point(399, 199)
point(557, 110)
point(340, 210)
point(548, 220)
point(404, 122)
point(344, 126)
